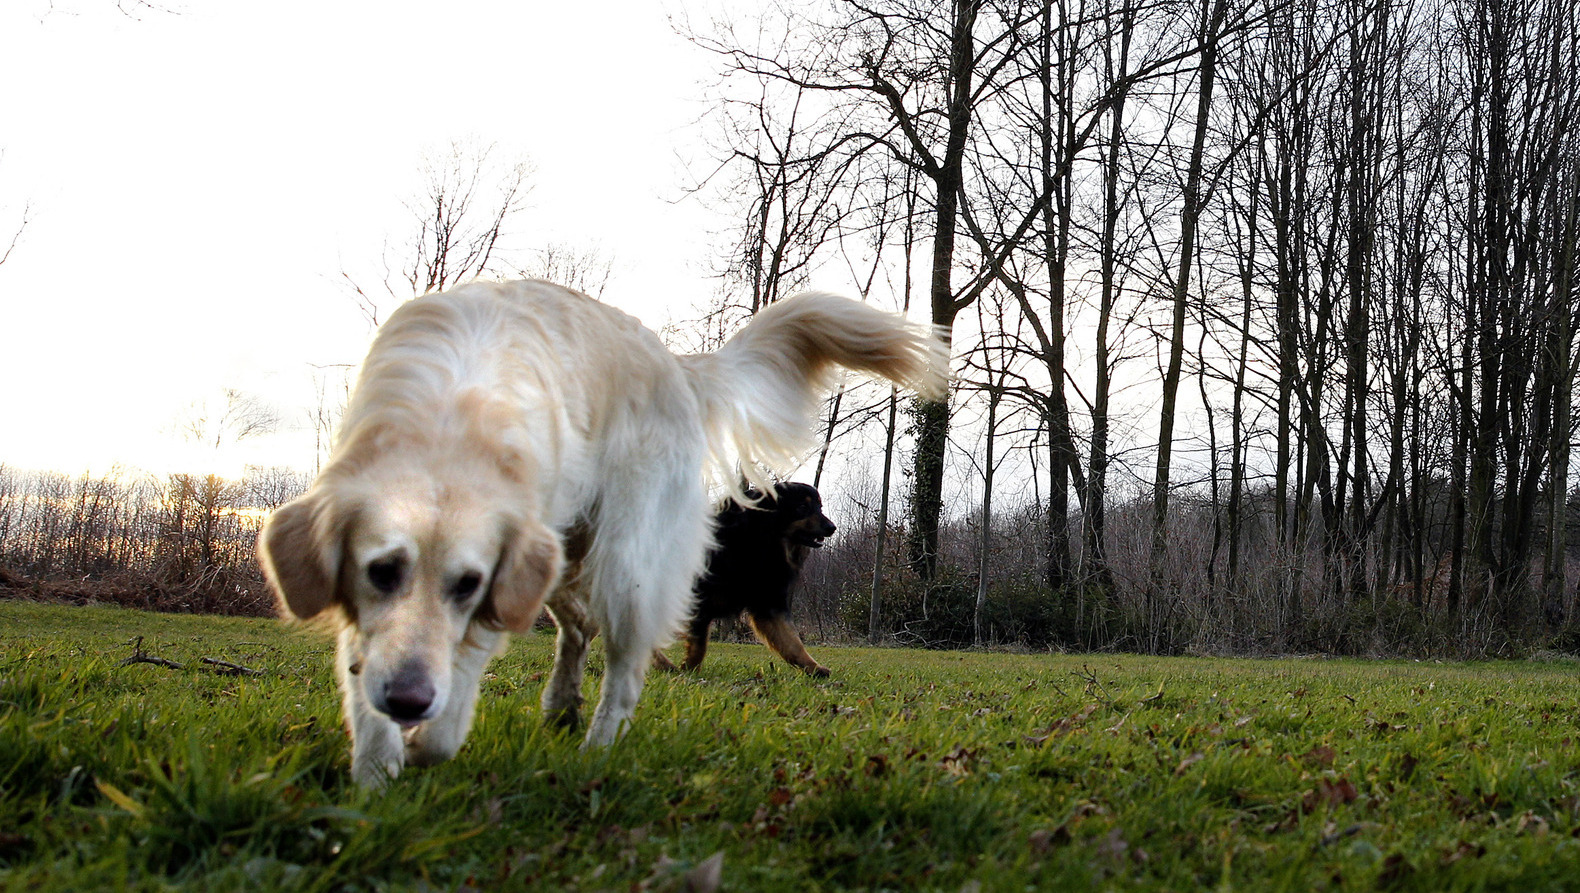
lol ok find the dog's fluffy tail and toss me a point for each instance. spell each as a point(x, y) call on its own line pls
point(760, 390)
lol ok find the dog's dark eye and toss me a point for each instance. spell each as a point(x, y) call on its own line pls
point(385, 574)
point(467, 584)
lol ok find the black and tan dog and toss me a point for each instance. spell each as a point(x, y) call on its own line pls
point(754, 568)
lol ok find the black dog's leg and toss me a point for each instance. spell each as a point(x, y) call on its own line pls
point(562, 696)
point(697, 641)
point(777, 633)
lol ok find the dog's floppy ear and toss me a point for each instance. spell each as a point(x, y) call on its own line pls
point(528, 569)
point(300, 553)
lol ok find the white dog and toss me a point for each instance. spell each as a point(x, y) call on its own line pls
point(513, 444)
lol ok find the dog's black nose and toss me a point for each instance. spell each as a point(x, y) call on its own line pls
point(409, 695)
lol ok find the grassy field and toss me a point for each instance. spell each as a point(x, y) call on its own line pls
point(907, 770)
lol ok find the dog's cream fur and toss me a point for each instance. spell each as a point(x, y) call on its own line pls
point(519, 444)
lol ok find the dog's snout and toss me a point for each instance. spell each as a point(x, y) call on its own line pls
point(828, 527)
point(408, 694)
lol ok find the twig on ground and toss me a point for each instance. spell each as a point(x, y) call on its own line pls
point(226, 668)
point(139, 656)
point(1094, 688)
point(213, 665)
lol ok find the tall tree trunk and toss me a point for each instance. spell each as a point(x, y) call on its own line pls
point(1095, 517)
point(1057, 82)
point(932, 417)
point(1561, 350)
point(875, 605)
point(995, 395)
point(1487, 291)
point(1350, 500)
point(1212, 19)
point(1282, 198)
point(1238, 443)
point(1567, 281)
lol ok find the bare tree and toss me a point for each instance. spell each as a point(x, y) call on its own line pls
point(196, 503)
point(132, 9)
point(587, 270)
point(236, 417)
point(997, 377)
point(16, 234)
point(460, 226)
point(331, 392)
point(911, 91)
point(9, 245)
point(1213, 15)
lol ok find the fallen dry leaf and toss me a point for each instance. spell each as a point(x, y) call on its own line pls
point(958, 761)
point(705, 878)
point(1533, 823)
point(1396, 870)
point(1113, 846)
point(1333, 793)
point(1322, 756)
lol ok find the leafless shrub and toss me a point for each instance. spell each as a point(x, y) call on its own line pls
point(182, 543)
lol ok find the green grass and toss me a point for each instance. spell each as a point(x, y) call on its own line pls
point(908, 770)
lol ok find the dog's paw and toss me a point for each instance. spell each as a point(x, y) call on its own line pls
point(566, 719)
point(374, 774)
point(428, 746)
point(819, 671)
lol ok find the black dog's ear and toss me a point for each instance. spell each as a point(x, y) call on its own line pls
point(300, 550)
point(796, 490)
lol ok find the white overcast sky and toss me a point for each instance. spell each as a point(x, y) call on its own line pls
point(197, 181)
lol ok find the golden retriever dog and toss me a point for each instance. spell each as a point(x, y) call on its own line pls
point(510, 446)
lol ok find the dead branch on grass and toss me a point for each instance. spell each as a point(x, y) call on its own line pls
point(1094, 687)
point(213, 665)
point(226, 668)
point(139, 656)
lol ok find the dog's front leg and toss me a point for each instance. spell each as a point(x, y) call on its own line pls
point(377, 752)
point(622, 686)
point(441, 738)
point(781, 638)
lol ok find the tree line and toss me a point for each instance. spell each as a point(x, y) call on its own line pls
point(181, 542)
point(1299, 272)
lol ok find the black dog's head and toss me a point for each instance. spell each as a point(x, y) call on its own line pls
point(799, 508)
